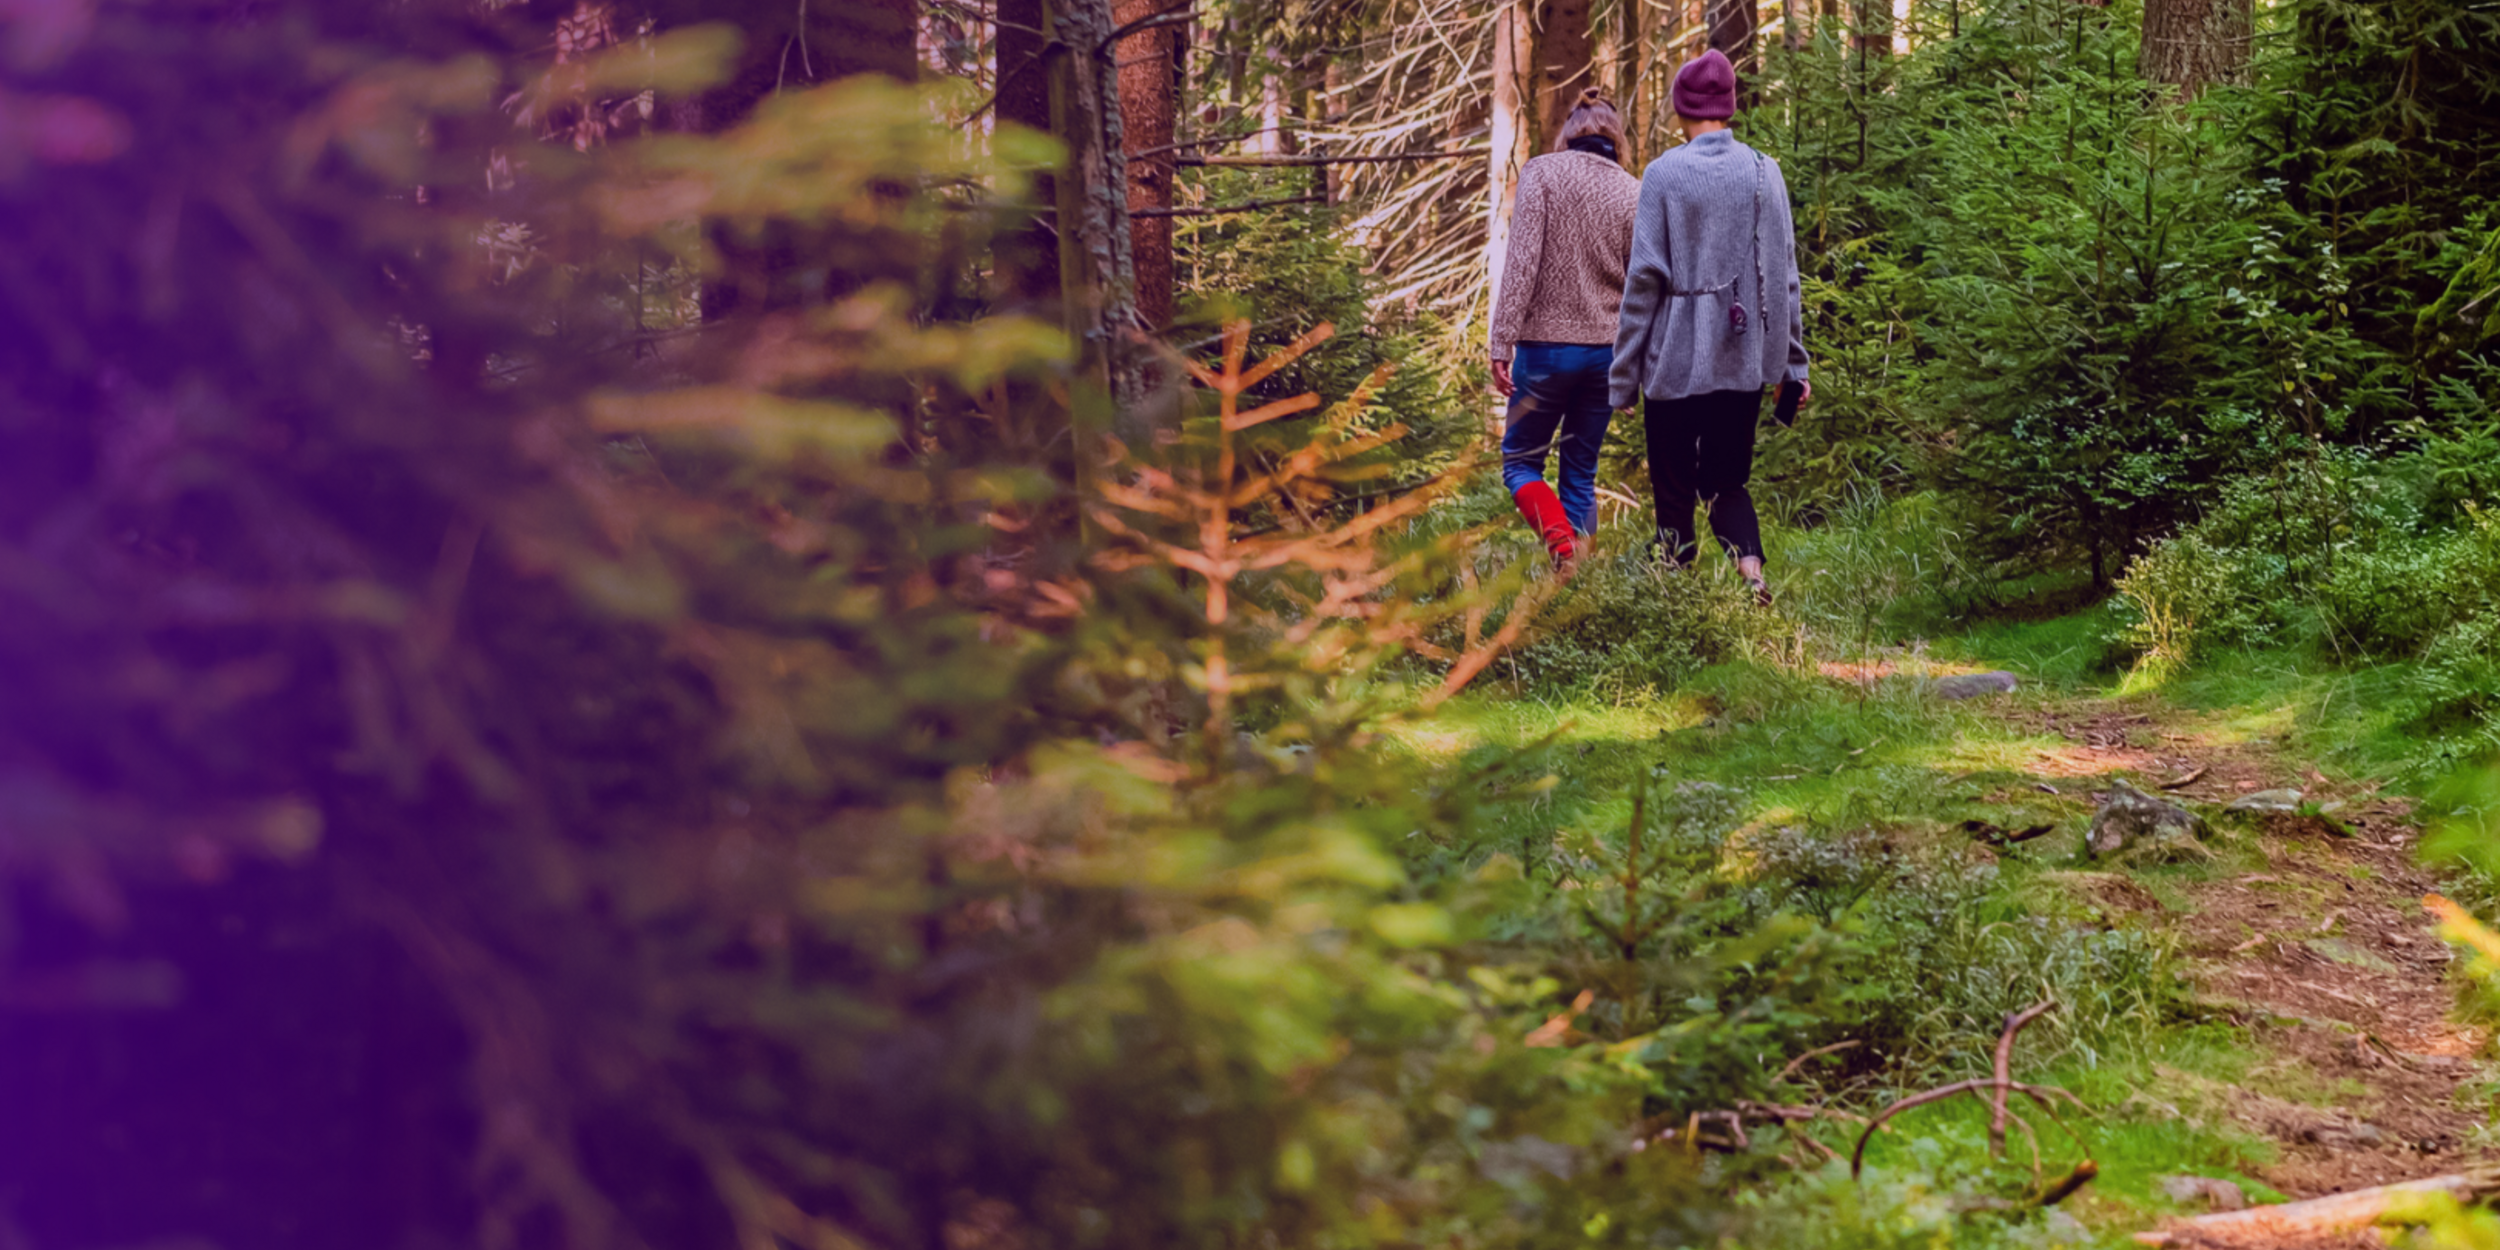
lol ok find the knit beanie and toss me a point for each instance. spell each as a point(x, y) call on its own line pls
point(1705, 89)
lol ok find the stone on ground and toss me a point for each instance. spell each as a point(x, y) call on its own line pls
point(2133, 825)
point(2266, 801)
point(1972, 685)
point(2205, 1191)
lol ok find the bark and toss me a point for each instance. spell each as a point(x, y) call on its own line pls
point(1732, 33)
point(1635, 27)
point(1795, 30)
point(1333, 104)
point(2194, 44)
point(1541, 61)
point(1148, 72)
point(1025, 252)
point(1565, 62)
point(1096, 282)
point(1514, 56)
point(789, 52)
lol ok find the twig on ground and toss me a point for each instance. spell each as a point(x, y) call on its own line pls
point(1811, 1055)
point(2005, 1072)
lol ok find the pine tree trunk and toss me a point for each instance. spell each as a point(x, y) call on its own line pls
point(1096, 282)
point(1149, 93)
point(2194, 44)
point(1334, 104)
point(1633, 76)
point(1565, 63)
point(1026, 253)
point(1732, 33)
point(1514, 93)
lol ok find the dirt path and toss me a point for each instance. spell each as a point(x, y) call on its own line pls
point(2322, 952)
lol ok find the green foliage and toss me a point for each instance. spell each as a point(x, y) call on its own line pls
point(1285, 269)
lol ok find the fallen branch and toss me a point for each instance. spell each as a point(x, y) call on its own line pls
point(1811, 1055)
point(1219, 210)
point(2186, 779)
point(2323, 1219)
point(2005, 1073)
point(1998, 1086)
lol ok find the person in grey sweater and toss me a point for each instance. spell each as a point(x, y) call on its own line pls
point(1711, 315)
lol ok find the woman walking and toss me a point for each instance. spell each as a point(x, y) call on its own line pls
point(1710, 316)
point(1554, 321)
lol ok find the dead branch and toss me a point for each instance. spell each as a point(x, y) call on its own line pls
point(1997, 1085)
point(1811, 1055)
point(2005, 1073)
point(2322, 1219)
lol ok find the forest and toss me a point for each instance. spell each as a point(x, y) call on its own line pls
point(893, 625)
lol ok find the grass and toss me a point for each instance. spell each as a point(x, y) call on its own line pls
point(1803, 747)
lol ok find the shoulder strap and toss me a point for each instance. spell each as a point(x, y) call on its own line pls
point(1761, 277)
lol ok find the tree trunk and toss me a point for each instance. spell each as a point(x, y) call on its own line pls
point(1026, 253)
point(1732, 33)
point(2193, 44)
point(1149, 91)
point(1633, 76)
point(1565, 63)
point(1514, 59)
point(1096, 282)
point(812, 44)
point(1334, 104)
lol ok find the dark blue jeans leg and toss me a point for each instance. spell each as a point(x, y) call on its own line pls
point(1537, 402)
point(1583, 435)
point(1558, 400)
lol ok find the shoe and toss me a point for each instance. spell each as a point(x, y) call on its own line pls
point(1761, 594)
point(1544, 512)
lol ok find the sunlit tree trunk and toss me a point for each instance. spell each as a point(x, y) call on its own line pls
point(1514, 60)
point(1149, 96)
point(2194, 44)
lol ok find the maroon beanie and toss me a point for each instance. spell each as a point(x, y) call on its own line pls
point(1705, 89)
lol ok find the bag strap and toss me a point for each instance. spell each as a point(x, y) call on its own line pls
point(1761, 277)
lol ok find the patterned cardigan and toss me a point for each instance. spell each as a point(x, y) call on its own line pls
point(1570, 236)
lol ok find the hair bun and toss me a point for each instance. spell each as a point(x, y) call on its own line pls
point(1592, 95)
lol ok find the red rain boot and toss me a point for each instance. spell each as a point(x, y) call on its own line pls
point(1544, 511)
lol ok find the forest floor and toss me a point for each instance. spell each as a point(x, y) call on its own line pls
point(2308, 937)
point(2312, 1042)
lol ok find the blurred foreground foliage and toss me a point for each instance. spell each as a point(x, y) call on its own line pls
point(496, 756)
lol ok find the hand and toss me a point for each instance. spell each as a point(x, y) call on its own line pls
point(1807, 393)
point(1501, 378)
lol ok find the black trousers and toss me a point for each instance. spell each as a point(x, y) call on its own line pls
point(1701, 451)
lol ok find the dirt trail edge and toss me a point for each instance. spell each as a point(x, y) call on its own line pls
point(2324, 953)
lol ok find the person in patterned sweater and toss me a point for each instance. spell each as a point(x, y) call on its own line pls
point(1555, 318)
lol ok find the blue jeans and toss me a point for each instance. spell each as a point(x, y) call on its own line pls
point(1558, 397)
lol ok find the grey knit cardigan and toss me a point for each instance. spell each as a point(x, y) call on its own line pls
point(1713, 231)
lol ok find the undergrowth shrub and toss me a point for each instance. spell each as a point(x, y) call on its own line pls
point(1940, 950)
point(1628, 623)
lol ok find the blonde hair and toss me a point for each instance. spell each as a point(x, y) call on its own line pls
point(1594, 114)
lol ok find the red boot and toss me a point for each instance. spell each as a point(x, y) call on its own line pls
point(1544, 511)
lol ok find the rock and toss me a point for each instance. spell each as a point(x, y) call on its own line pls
point(1972, 685)
point(2065, 1230)
point(2214, 1194)
point(2266, 802)
point(2134, 825)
